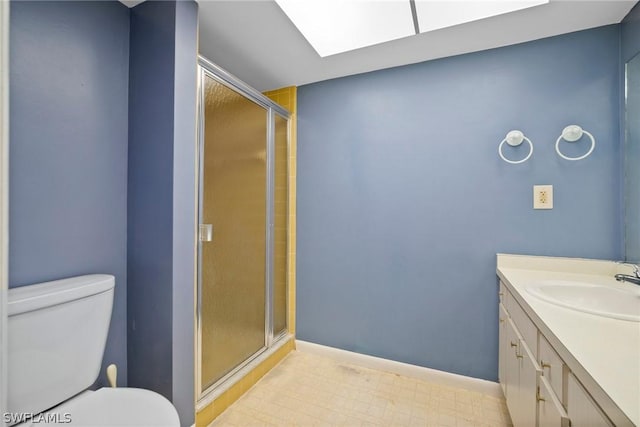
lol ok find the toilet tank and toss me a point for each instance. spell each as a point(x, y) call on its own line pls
point(57, 332)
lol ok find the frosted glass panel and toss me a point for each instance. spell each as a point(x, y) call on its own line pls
point(234, 202)
point(281, 212)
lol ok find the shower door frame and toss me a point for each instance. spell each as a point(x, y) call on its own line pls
point(208, 69)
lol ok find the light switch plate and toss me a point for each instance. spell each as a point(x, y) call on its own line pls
point(543, 197)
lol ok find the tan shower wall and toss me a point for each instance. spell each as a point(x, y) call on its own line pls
point(280, 223)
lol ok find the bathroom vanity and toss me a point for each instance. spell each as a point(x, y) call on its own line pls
point(569, 342)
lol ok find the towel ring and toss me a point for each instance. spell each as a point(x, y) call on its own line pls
point(573, 133)
point(515, 138)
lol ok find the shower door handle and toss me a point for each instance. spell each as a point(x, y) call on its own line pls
point(205, 232)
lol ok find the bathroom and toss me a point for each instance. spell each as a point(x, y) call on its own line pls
point(398, 200)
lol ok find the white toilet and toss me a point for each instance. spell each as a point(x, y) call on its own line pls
point(57, 335)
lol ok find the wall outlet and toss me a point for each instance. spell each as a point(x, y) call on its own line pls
point(543, 197)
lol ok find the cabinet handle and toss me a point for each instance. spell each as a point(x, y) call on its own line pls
point(501, 320)
point(538, 397)
point(513, 344)
point(501, 293)
point(544, 365)
point(519, 356)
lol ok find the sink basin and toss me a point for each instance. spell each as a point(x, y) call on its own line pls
point(601, 300)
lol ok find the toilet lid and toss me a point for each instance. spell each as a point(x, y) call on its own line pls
point(115, 407)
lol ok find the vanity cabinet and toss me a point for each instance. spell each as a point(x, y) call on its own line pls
point(539, 388)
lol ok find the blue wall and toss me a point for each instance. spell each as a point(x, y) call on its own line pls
point(161, 209)
point(630, 121)
point(403, 201)
point(68, 153)
point(184, 208)
point(150, 196)
point(630, 34)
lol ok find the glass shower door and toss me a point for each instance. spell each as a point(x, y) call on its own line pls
point(233, 254)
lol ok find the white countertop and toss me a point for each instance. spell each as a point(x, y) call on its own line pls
point(603, 353)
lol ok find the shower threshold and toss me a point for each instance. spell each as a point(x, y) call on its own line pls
point(218, 389)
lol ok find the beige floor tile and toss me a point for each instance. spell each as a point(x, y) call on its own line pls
point(308, 390)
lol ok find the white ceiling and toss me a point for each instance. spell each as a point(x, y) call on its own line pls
point(258, 43)
point(131, 3)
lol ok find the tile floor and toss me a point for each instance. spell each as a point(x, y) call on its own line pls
point(309, 390)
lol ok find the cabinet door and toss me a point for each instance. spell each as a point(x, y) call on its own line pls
point(552, 366)
point(582, 410)
point(527, 388)
point(503, 347)
point(550, 410)
point(511, 368)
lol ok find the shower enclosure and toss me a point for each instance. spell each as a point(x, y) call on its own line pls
point(243, 211)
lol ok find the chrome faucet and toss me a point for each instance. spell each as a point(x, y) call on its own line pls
point(627, 277)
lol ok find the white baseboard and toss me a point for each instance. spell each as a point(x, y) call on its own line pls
point(426, 374)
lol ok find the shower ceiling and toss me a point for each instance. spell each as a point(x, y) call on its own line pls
point(256, 41)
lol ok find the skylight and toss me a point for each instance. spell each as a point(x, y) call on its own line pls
point(337, 26)
point(434, 15)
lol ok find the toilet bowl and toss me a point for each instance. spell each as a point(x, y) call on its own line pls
point(112, 407)
point(57, 335)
